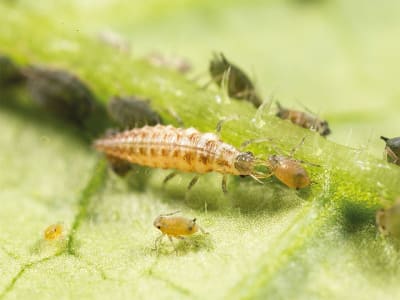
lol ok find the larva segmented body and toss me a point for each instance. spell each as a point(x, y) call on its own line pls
point(185, 150)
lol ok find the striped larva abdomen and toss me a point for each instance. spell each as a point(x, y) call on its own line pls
point(185, 150)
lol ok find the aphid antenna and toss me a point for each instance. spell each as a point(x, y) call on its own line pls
point(170, 214)
point(254, 141)
point(221, 122)
point(297, 147)
point(306, 108)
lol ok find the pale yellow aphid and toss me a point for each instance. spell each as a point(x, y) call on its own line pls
point(388, 220)
point(175, 226)
point(53, 232)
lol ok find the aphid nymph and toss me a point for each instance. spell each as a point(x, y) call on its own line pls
point(59, 92)
point(289, 171)
point(392, 149)
point(174, 226)
point(285, 168)
point(238, 84)
point(9, 72)
point(303, 119)
point(130, 112)
point(53, 232)
point(388, 220)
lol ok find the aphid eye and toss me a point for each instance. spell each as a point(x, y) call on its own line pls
point(383, 227)
point(159, 227)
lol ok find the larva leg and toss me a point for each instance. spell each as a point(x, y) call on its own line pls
point(193, 182)
point(224, 189)
point(169, 177)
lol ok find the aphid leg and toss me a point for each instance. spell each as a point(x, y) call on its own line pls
point(175, 115)
point(254, 141)
point(224, 189)
point(172, 242)
point(308, 163)
point(221, 122)
point(169, 177)
point(193, 182)
point(297, 147)
point(392, 155)
point(158, 241)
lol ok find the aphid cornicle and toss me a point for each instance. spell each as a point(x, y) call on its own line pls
point(188, 150)
point(59, 92)
point(239, 85)
point(175, 226)
point(130, 112)
point(304, 120)
point(53, 232)
point(392, 149)
point(388, 220)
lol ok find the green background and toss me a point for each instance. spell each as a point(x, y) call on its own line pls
point(337, 58)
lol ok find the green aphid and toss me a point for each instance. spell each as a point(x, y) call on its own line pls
point(238, 84)
point(388, 220)
point(392, 149)
point(10, 74)
point(60, 92)
point(130, 112)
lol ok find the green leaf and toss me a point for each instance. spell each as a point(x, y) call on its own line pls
point(265, 241)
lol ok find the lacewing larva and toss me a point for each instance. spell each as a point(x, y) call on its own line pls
point(53, 232)
point(130, 112)
point(189, 150)
point(59, 92)
point(185, 150)
point(238, 84)
point(392, 149)
point(303, 119)
point(174, 226)
point(388, 220)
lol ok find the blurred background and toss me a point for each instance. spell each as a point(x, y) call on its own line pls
point(337, 58)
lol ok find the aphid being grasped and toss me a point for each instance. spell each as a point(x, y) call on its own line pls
point(60, 92)
point(289, 171)
point(238, 84)
point(303, 119)
point(130, 112)
point(388, 220)
point(392, 149)
point(285, 168)
point(174, 226)
point(53, 232)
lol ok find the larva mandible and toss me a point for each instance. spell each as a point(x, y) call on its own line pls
point(185, 150)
